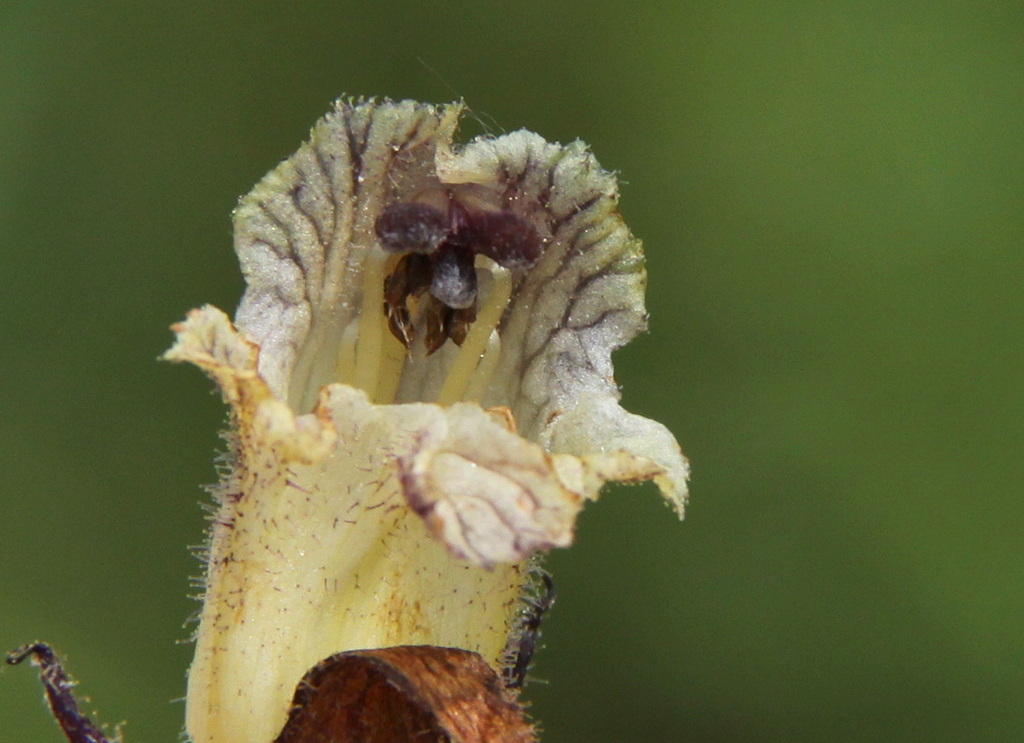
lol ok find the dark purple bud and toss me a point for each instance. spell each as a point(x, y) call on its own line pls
point(507, 239)
point(454, 279)
point(404, 227)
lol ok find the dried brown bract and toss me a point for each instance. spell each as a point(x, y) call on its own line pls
point(404, 694)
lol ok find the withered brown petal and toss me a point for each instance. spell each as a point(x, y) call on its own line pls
point(457, 322)
point(402, 694)
point(433, 314)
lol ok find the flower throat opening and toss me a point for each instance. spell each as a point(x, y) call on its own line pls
point(443, 271)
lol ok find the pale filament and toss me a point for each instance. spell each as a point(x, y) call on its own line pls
point(372, 359)
point(472, 356)
point(392, 362)
point(481, 379)
point(372, 324)
point(345, 366)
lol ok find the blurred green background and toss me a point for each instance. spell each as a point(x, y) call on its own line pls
point(831, 200)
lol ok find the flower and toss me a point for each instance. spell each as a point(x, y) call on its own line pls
point(422, 398)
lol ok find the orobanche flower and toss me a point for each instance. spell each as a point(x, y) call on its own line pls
point(422, 399)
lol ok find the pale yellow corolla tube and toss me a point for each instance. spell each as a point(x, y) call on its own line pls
point(375, 495)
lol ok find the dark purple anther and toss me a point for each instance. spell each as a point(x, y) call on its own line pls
point(454, 277)
point(404, 227)
point(507, 239)
point(440, 233)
